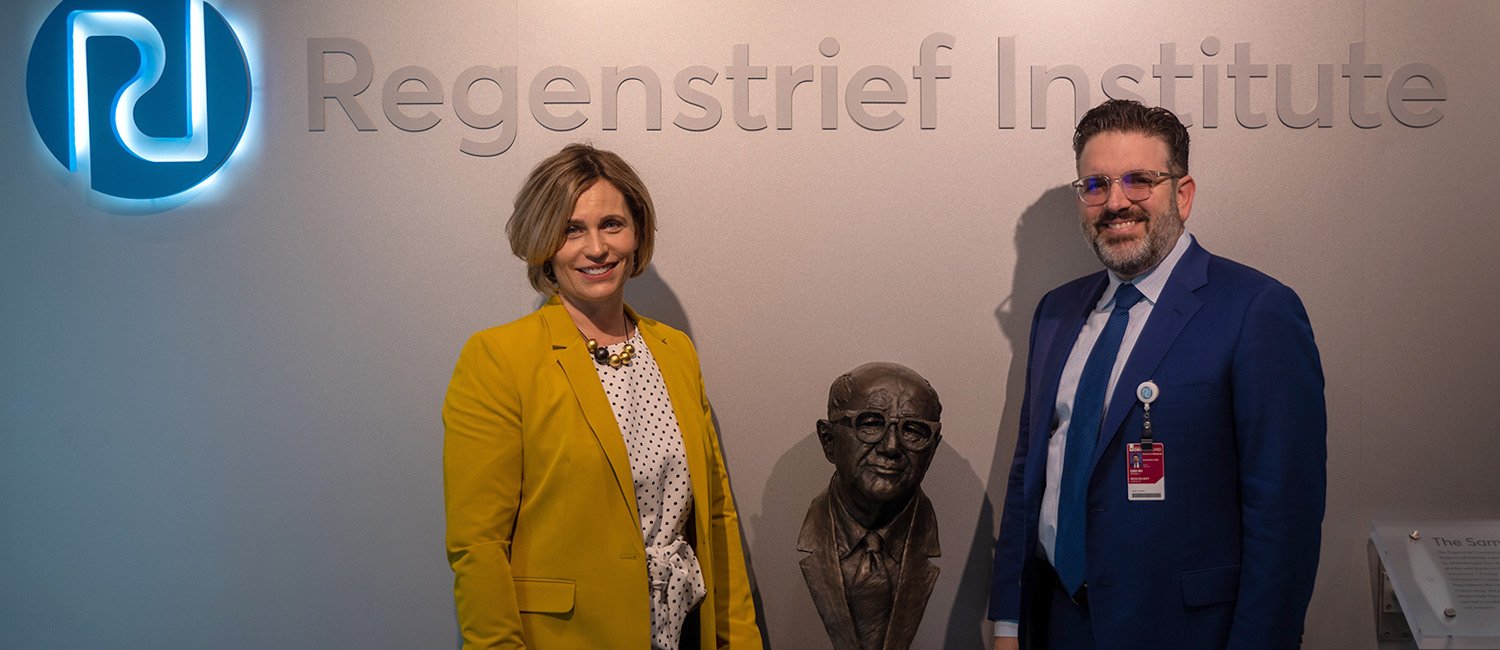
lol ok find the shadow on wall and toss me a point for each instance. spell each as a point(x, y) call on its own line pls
point(964, 629)
point(650, 296)
point(1050, 250)
point(799, 475)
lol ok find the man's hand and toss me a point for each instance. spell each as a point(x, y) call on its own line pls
point(1007, 643)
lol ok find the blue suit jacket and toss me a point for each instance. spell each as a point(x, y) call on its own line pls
point(1228, 559)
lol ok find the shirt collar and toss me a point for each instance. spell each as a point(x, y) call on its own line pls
point(849, 535)
point(1151, 282)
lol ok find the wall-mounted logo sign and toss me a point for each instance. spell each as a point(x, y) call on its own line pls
point(144, 98)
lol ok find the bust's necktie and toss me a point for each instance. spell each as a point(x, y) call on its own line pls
point(870, 592)
point(1083, 438)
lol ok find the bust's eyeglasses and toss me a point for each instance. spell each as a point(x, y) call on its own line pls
point(1137, 185)
point(915, 434)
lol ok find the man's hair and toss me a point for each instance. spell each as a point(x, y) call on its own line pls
point(538, 225)
point(1130, 116)
point(842, 392)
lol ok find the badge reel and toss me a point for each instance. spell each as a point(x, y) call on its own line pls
point(1145, 462)
point(1147, 393)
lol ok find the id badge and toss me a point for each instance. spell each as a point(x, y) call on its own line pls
point(1145, 472)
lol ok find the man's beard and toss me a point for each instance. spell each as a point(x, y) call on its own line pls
point(1136, 257)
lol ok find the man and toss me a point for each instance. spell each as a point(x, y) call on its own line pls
point(1167, 489)
point(870, 533)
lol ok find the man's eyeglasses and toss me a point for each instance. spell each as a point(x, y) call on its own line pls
point(1137, 185)
point(915, 434)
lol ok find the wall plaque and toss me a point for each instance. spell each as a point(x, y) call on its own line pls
point(1446, 576)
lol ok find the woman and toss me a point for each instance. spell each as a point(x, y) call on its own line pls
point(587, 501)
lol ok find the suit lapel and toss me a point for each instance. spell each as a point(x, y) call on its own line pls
point(1170, 315)
point(1057, 337)
point(1059, 342)
point(568, 349)
point(918, 575)
point(677, 373)
point(820, 569)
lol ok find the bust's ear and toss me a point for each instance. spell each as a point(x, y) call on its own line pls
point(825, 437)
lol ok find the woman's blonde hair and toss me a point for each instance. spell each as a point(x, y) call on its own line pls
point(538, 225)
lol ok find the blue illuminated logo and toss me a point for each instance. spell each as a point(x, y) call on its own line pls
point(146, 99)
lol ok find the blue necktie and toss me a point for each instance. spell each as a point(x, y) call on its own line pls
point(1083, 438)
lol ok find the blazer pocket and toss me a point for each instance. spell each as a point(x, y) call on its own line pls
point(544, 595)
point(1210, 586)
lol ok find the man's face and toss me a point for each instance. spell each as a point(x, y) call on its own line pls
point(1131, 237)
point(886, 469)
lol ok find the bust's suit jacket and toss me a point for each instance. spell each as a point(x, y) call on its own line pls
point(1228, 559)
point(543, 532)
point(825, 579)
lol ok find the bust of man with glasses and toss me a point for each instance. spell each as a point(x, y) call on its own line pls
point(870, 534)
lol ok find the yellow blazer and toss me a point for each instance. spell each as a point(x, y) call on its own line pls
point(543, 532)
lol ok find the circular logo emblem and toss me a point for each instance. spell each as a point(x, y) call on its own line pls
point(145, 98)
point(1147, 391)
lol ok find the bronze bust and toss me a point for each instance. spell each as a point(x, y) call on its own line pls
point(870, 534)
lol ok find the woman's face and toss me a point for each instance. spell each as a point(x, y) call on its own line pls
point(596, 255)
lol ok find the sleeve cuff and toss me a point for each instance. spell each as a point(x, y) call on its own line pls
point(1007, 628)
